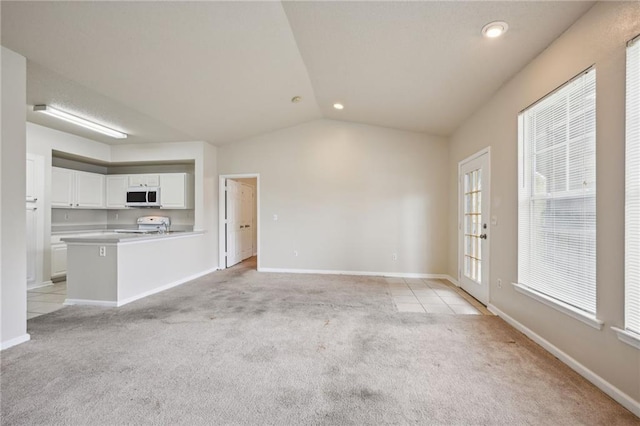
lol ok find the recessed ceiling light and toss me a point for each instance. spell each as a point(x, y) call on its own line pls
point(338, 106)
point(296, 99)
point(495, 29)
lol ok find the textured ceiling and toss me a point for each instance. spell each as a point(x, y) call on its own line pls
point(224, 71)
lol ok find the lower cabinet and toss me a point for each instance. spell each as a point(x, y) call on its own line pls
point(58, 260)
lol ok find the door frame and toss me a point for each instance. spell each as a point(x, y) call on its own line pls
point(486, 254)
point(221, 217)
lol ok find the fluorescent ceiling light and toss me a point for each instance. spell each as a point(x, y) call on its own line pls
point(79, 121)
point(495, 29)
point(338, 106)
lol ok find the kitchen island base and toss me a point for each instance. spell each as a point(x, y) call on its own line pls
point(113, 270)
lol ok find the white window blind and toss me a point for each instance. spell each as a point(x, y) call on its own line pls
point(632, 198)
point(557, 194)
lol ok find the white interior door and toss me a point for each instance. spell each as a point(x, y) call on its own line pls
point(246, 228)
point(474, 200)
point(233, 222)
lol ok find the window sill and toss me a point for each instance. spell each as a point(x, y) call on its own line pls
point(566, 309)
point(628, 337)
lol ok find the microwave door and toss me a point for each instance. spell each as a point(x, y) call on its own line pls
point(137, 197)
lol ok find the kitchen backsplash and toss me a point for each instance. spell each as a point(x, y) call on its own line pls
point(122, 218)
point(63, 220)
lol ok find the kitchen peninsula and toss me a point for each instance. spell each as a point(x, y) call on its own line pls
point(113, 269)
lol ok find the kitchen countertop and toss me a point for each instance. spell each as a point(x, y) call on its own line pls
point(116, 237)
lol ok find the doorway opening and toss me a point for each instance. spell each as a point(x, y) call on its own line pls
point(474, 183)
point(239, 220)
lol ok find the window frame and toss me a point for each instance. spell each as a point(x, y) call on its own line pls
point(627, 334)
point(527, 156)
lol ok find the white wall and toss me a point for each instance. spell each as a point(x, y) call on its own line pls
point(13, 249)
point(599, 38)
point(347, 196)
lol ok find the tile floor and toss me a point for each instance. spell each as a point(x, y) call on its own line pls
point(433, 297)
point(43, 300)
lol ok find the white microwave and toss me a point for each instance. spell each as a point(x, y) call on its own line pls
point(143, 196)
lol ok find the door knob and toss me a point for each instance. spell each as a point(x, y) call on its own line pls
point(483, 236)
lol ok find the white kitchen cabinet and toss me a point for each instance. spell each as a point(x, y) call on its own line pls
point(144, 180)
point(90, 190)
point(117, 191)
point(62, 187)
point(75, 189)
point(176, 190)
point(58, 260)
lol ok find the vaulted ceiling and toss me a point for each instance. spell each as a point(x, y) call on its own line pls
point(224, 71)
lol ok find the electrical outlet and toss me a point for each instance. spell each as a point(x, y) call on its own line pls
point(66, 216)
point(103, 251)
point(117, 216)
point(499, 283)
point(295, 253)
point(394, 256)
point(275, 217)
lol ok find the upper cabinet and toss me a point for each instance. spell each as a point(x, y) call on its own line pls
point(62, 187)
point(144, 180)
point(176, 190)
point(75, 189)
point(117, 191)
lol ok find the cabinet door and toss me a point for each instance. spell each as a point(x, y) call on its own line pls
point(137, 180)
point(117, 191)
point(62, 187)
point(144, 180)
point(172, 187)
point(58, 260)
point(152, 180)
point(89, 190)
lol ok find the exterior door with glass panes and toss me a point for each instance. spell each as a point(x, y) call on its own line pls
point(473, 226)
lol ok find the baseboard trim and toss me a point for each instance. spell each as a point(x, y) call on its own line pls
point(166, 287)
point(354, 273)
point(15, 341)
point(453, 281)
point(42, 284)
point(90, 302)
point(622, 398)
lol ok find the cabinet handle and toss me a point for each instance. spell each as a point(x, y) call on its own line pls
point(247, 226)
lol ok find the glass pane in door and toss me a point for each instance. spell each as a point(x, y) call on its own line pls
point(473, 225)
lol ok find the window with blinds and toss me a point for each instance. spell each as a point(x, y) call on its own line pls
point(632, 190)
point(557, 194)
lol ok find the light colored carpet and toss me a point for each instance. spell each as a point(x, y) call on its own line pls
point(241, 347)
